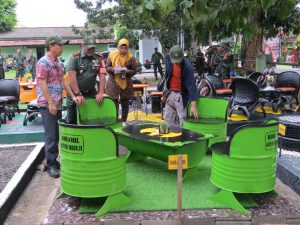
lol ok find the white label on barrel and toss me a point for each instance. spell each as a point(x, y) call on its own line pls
point(71, 143)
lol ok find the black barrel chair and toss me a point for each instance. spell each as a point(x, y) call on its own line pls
point(245, 97)
point(259, 78)
point(212, 85)
point(288, 83)
point(32, 112)
point(9, 98)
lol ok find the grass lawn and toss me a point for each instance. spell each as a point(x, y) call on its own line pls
point(11, 74)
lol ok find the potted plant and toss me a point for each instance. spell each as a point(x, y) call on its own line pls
point(163, 128)
point(28, 76)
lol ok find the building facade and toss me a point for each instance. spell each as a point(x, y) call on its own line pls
point(34, 38)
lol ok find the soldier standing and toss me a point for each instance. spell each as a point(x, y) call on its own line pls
point(209, 54)
point(215, 60)
point(19, 61)
point(156, 57)
point(31, 63)
point(224, 62)
point(83, 68)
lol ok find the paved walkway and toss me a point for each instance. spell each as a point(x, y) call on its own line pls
point(32, 207)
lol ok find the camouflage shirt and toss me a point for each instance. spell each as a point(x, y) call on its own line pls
point(87, 69)
point(156, 57)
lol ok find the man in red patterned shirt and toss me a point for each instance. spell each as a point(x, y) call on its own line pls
point(50, 84)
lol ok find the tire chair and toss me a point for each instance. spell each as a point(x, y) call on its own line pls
point(245, 97)
point(246, 163)
point(90, 170)
point(212, 114)
point(259, 78)
point(204, 88)
point(105, 113)
point(288, 83)
point(9, 98)
point(218, 86)
point(32, 112)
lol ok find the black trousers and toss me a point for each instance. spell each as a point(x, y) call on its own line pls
point(51, 135)
point(71, 117)
point(158, 66)
point(125, 108)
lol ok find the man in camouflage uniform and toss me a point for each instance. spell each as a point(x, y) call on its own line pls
point(31, 63)
point(83, 68)
point(209, 54)
point(19, 62)
point(215, 60)
point(156, 57)
point(2, 73)
point(224, 64)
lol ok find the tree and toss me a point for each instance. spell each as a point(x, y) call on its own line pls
point(126, 15)
point(130, 35)
point(251, 19)
point(7, 15)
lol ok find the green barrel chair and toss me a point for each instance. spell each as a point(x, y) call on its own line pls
point(246, 163)
point(105, 113)
point(91, 170)
point(212, 118)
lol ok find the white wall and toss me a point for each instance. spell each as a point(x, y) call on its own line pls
point(146, 48)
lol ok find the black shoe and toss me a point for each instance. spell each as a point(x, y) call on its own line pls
point(57, 165)
point(53, 172)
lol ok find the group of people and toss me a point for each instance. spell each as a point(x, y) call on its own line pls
point(83, 68)
point(22, 64)
point(219, 60)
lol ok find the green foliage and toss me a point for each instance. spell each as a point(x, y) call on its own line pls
point(224, 18)
point(7, 15)
point(130, 35)
point(160, 18)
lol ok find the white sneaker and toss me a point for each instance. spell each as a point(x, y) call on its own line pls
point(124, 124)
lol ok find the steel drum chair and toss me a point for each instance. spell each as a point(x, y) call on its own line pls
point(246, 163)
point(91, 170)
point(105, 113)
point(212, 114)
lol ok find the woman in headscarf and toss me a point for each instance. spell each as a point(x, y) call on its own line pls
point(121, 66)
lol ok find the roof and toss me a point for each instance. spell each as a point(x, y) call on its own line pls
point(38, 35)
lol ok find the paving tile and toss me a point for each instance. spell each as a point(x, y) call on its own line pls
point(53, 223)
point(281, 219)
point(234, 218)
point(233, 222)
point(89, 223)
point(199, 221)
point(158, 222)
point(293, 216)
point(122, 222)
point(293, 221)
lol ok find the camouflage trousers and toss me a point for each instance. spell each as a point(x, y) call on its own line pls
point(20, 72)
point(175, 113)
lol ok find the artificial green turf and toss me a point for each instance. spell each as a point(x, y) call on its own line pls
point(152, 187)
